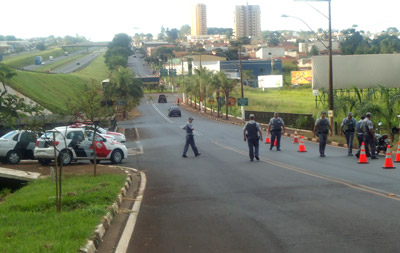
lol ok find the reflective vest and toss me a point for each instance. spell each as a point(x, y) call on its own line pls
point(252, 131)
point(276, 124)
point(323, 126)
point(349, 123)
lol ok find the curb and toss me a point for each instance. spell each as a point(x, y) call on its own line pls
point(98, 234)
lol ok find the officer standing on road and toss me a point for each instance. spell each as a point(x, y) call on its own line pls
point(189, 138)
point(250, 133)
point(275, 128)
point(369, 136)
point(360, 136)
point(349, 125)
point(322, 127)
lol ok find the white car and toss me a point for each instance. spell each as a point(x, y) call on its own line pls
point(75, 143)
point(118, 136)
point(17, 145)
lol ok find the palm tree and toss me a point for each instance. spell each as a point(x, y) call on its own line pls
point(225, 85)
point(204, 77)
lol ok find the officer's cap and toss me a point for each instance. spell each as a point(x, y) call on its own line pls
point(350, 114)
point(363, 117)
point(251, 116)
point(323, 112)
point(190, 118)
point(368, 114)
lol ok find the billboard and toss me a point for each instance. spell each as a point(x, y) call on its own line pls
point(270, 81)
point(301, 77)
point(361, 71)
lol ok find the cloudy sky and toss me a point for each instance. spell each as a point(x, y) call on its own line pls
point(101, 20)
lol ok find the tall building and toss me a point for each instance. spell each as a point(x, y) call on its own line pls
point(199, 20)
point(247, 21)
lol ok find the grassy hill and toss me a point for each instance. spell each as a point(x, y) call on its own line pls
point(52, 90)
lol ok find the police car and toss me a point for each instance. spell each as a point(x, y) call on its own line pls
point(75, 143)
point(117, 136)
point(17, 145)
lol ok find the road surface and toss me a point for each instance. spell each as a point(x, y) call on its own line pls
point(286, 202)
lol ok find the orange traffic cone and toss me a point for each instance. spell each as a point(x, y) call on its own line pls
point(363, 156)
point(267, 140)
point(302, 148)
point(397, 159)
point(296, 137)
point(388, 159)
point(275, 143)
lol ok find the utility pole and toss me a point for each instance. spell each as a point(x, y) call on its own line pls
point(241, 80)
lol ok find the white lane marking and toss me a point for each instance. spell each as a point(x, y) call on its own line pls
point(350, 184)
point(130, 224)
point(165, 117)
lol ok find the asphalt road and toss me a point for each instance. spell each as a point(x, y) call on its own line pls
point(47, 61)
point(138, 66)
point(286, 202)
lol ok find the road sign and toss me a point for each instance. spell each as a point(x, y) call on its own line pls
point(221, 101)
point(231, 101)
point(163, 72)
point(172, 72)
point(243, 101)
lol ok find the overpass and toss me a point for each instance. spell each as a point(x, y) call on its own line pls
point(87, 45)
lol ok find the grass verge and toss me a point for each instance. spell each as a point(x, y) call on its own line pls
point(97, 70)
point(30, 223)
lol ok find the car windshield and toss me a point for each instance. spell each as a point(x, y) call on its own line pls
point(101, 130)
point(8, 135)
point(49, 135)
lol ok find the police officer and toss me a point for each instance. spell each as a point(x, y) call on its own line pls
point(349, 126)
point(189, 138)
point(369, 136)
point(275, 127)
point(360, 136)
point(322, 127)
point(250, 133)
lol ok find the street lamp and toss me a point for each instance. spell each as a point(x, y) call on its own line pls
point(330, 71)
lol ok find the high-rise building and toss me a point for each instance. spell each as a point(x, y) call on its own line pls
point(199, 20)
point(247, 21)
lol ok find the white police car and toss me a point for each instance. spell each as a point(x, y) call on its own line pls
point(118, 136)
point(75, 143)
point(17, 145)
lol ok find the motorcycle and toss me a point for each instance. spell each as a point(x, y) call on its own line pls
point(381, 140)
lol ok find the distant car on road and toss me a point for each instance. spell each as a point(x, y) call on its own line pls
point(78, 63)
point(17, 145)
point(174, 111)
point(162, 99)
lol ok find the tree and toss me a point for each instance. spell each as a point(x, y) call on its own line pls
point(225, 85)
point(13, 107)
point(41, 46)
point(314, 50)
point(248, 75)
point(118, 51)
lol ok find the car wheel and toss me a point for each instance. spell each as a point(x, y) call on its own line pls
point(116, 156)
point(13, 157)
point(65, 156)
point(44, 161)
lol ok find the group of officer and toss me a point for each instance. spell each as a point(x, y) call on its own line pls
point(363, 128)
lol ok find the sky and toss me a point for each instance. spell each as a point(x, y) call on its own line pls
point(101, 20)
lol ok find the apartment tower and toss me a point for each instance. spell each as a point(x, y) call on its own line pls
point(247, 21)
point(199, 20)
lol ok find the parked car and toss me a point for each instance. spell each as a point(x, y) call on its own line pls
point(17, 145)
point(162, 99)
point(174, 111)
point(75, 143)
point(119, 137)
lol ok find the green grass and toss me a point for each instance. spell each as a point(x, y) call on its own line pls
point(49, 90)
point(97, 70)
point(30, 223)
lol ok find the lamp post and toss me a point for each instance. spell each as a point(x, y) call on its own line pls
point(330, 69)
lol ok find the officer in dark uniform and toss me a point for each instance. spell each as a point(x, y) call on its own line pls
point(189, 138)
point(359, 131)
point(322, 127)
point(369, 136)
point(348, 126)
point(275, 128)
point(250, 133)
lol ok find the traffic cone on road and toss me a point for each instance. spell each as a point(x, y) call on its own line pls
point(363, 156)
point(388, 159)
point(296, 137)
point(267, 140)
point(397, 159)
point(275, 142)
point(302, 148)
